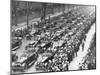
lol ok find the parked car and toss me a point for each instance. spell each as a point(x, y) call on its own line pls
point(14, 56)
point(30, 45)
point(16, 43)
point(29, 36)
point(24, 63)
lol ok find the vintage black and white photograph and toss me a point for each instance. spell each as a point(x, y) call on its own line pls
point(52, 37)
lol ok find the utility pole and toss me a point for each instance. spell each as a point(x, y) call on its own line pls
point(43, 12)
point(63, 8)
point(52, 7)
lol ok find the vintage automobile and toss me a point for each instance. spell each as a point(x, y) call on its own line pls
point(41, 66)
point(24, 63)
point(56, 38)
point(14, 57)
point(29, 36)
point(30, 45)
point(16, 43)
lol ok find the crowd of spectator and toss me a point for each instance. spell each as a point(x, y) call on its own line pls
point(60, 37)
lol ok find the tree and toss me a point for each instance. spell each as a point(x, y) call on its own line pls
point(14, 10)
point(27, 13)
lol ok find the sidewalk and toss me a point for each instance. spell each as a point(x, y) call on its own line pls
point(24, 24)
